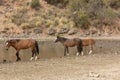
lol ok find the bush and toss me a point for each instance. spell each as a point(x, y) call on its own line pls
point(115, 4)
point(58, 3)
point(95, 7)
point(35, 4)
point(81, 20)
point(109, 13)
point(19, 16)
point(79, 13)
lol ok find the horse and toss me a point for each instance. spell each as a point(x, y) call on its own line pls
point(88, 42)
point(19, 44)
point(70, 43)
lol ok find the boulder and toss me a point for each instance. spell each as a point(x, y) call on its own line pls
point(51, 31)
point(37, 31)
point(73, 31)
point(63, 30)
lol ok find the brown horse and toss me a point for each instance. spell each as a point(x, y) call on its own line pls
point(19, 44)
point(88, 42)
point(70, 43)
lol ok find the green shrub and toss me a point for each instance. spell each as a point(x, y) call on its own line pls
point(79, 13)
point(81, 20)
point(35, 4)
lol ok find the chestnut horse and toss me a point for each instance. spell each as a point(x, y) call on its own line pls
point(88, 42)
point(19, 44)
point(70, 43)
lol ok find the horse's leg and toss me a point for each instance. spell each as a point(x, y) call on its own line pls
point(17, 55)
point(36, 55)
point(32, 55)
point(81, 51)
point(91, 49)
point(77, 54)
point(67, 51)
point(78, 51)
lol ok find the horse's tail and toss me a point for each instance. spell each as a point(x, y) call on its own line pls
point(37, 47)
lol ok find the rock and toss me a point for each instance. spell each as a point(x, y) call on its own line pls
point(6, 29)
point(106, 34)
point(73, 31)
point(87, 33)
point(63, 30)
point(93, 32)
point(92, 74)
point(3, 31)
point(51, 31)
point(37, 31)
point(27, 32)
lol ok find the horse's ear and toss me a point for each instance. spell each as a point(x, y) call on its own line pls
point(11, 41)
point(58, 36)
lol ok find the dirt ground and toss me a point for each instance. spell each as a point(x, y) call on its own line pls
point(88, 67)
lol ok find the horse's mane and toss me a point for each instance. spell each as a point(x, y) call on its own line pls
point(17, 40)
point(64, 39)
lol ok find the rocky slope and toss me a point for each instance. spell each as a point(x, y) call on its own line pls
point(18, 19)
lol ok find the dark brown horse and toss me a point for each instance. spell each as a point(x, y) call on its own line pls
point(19, 44)
point(70, 43)
point(88, 42)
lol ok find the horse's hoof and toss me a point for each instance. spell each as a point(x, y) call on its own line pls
point(31, 58)
point(90, 52)
point(36, 58)
point(18, 60)
point(67, 54)
point(77, 54)
point(82, 53)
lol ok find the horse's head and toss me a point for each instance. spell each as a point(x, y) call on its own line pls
point(58, 39)
point(9, 43)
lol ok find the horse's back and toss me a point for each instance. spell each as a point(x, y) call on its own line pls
point(78, 40)
point(25, 43)
point(87, 42)
point(72, 42)
point(92, 41)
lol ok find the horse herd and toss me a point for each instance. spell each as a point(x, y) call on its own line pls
point(19, 44)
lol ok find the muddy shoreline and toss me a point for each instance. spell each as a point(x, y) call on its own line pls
point(49, 49)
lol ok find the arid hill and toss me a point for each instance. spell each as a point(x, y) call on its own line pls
point(34, 18)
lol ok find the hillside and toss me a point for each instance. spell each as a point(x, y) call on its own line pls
point(50, 18)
